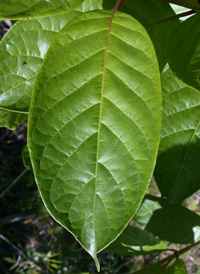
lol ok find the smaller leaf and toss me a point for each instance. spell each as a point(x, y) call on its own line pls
point(11, 119)
point(146, 210)
point(178, 163)
point(55, 261)
point(22, 51)
point(172, 223)
point(183, 51)
point(55, 266)
point(9, 260)
point(26, 9)
point(177, 268)
point(134, 241)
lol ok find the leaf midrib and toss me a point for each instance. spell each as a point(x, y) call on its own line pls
point(100, 113)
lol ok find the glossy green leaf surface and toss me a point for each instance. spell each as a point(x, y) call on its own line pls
point(11, 119)
point(172, 223)
point(89, 5)
point(178, 164)
point(134, 241)
point(22, 51)
point(184, 51)
point(149, 13)
point(11, 6)
point(22, 9)
point(94, 125)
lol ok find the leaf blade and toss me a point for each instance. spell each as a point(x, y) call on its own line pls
point(11, 119)
point(76, 114)
point(177, 268)
point(177, 169)
point(22, 51)
point(134, 241)
point(172, 223)
point(21, 9)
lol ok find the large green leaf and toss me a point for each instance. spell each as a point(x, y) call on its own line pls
point(21, 9)
point(173, 223)
point(22, 51)
point(178, 164)
point(11, 119)
point(94, 125)
point(184, 51)
point(134, 241)
point(148, 13)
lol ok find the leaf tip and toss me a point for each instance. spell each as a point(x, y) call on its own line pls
point(97, 263)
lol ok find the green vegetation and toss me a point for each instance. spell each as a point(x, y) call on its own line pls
point(111, 90)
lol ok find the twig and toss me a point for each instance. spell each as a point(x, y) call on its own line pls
point(11, 244)
point(118, 4)
point(14, 182)
point(15, 218)
point(187, 13)
point(167, 263)
point(169, 258)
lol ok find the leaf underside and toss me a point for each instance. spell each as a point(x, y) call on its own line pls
point(94, 125)
point(22, 51)
point(11, 119)
point(26, 9)
point(178, 163)
point(134, 241)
